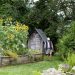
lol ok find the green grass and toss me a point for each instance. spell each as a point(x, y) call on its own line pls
point(27, 69)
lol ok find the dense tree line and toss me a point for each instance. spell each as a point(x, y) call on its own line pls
point(52, 16)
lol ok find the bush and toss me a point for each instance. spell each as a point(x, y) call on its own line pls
point(70, 59)
point(13, 37)
point(67, 42)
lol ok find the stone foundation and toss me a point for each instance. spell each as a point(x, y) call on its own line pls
point(6, 60)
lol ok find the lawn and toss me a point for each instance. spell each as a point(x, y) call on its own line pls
point(28, 69)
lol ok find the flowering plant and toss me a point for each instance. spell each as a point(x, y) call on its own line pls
point(14, 37)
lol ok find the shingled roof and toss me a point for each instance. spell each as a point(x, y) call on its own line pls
point(42, 34)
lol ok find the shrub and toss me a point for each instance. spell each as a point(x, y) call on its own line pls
point(70, 59)
point(67, 42)
point(13, 37)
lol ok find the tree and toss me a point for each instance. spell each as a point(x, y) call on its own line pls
point(49, 15)
point(44, 15)
point(14, 8)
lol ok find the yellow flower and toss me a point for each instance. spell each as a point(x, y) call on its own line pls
point(10, 36)
point(16, 28)
point(17, 23)
point(21, 27)
point(25, 28)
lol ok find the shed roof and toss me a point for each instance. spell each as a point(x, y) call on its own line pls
point(42, 34)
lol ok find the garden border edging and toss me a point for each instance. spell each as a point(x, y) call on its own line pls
point(7, 60)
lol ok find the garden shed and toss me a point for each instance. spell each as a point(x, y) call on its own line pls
point(37, 40)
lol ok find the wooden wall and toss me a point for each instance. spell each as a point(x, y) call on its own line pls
point(35, 42)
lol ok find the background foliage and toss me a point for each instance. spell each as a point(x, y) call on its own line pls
point(52, 16)
point(67, 42)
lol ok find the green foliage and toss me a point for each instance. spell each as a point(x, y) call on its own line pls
point(11, 54)
point(67, 42)
point(31, 52)
point(70, 59)
point(49, 15)
point(14, 8)
point(62, 46)
point(36, 73)
point(14, 38)
point(47, 58)
point(57, 56)
point(34, 55)
point(43, 14)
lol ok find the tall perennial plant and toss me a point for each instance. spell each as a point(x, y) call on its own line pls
point(13, 37)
